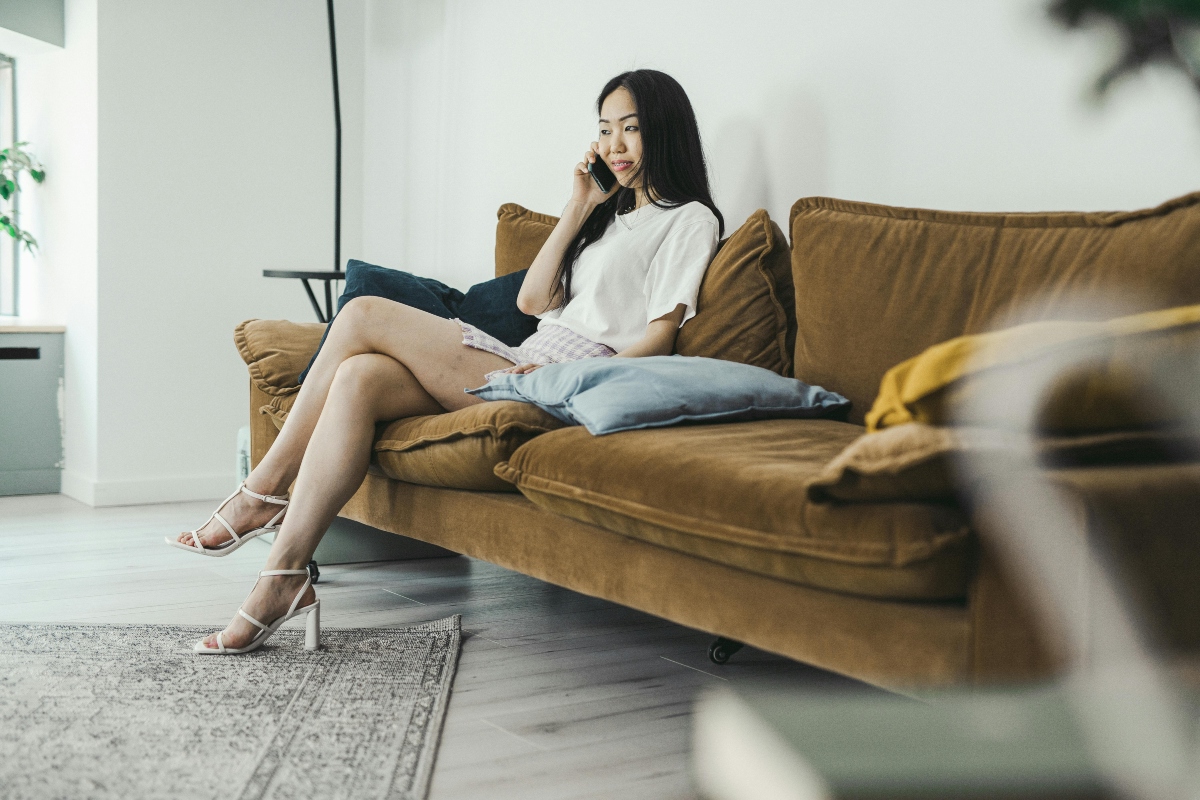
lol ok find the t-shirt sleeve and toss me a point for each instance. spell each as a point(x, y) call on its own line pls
point(678, 268)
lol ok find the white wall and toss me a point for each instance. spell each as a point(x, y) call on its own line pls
point(57, 102)
point(188, 147)
point(216, 161)
point(43, 20)
point(209, 129)
point(934, 103)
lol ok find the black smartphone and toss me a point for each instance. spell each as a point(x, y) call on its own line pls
point(602, 175)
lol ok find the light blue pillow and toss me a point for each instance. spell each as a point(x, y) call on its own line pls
point(608, 395)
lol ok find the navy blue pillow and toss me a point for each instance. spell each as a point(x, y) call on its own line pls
point(368, 280)
point(490, 306)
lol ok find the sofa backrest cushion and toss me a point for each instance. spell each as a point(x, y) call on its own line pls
point(876, 285)
point(746, 311)
point(520, 234)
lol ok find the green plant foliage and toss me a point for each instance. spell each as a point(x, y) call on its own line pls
point(1152, 31)
point(13, 161)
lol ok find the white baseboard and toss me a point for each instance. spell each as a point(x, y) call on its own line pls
point(78, 487)
point(147, 490)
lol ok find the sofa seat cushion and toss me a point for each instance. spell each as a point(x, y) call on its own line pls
point(735, 494)
point(456, 450)
point(460, 449)
point(917, 462)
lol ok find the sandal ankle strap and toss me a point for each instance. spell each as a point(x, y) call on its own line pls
point(295, 600)
point(279, 500)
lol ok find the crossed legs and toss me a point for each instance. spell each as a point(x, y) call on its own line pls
point(382, 361)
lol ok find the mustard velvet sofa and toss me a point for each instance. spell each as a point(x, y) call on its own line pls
point(719, 527)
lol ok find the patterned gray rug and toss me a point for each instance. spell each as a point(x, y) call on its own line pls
point(127, 711)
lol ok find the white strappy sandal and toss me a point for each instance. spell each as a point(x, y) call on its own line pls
point(312, 630)
point(225, 548)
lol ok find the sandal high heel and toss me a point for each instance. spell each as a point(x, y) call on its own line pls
point(225, 548)
point(312, 631)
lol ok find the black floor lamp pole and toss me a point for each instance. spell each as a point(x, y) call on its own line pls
point(337, 121)
point(328, 278)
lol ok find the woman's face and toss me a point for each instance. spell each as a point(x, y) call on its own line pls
point(620, 136)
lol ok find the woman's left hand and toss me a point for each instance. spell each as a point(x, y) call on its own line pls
point(523, 369)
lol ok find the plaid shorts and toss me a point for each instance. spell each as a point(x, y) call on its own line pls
point(552, 344)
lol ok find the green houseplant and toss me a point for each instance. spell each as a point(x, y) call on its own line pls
point(1152, 31)
point(13, 161)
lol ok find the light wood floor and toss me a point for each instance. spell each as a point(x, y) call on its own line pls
point(558, 695)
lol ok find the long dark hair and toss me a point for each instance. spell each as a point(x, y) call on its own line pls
point(672, 171)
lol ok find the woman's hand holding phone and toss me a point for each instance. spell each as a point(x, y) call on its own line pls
point(541, 290)
point(585, 190)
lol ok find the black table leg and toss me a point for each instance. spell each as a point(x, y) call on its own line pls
point(306, 275)
point(312, 298)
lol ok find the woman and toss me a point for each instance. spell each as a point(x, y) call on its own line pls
point(618, 276)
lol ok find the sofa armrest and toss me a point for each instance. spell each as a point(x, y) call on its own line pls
point(263, 431)
point(277, 351)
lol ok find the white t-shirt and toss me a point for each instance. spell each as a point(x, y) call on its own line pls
point(646, 263)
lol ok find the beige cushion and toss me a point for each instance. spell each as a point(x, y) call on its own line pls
point(734, 494)
point(745, 305)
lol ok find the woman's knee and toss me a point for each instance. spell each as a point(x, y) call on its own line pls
point(361, 315)
point(360, 375)
point(355, 320)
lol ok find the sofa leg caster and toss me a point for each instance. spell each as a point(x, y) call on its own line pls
point(720, 651)
point(313, 572)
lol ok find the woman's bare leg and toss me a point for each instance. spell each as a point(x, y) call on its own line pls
point(367, 388)
point(365, 325)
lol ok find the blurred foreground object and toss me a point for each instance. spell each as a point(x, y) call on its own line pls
point(1109, 567)
point(765, 743)
point(1152, 31)
point(1107, 561)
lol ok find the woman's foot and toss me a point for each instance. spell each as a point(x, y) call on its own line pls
point(242, 512)
point(268, 601)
